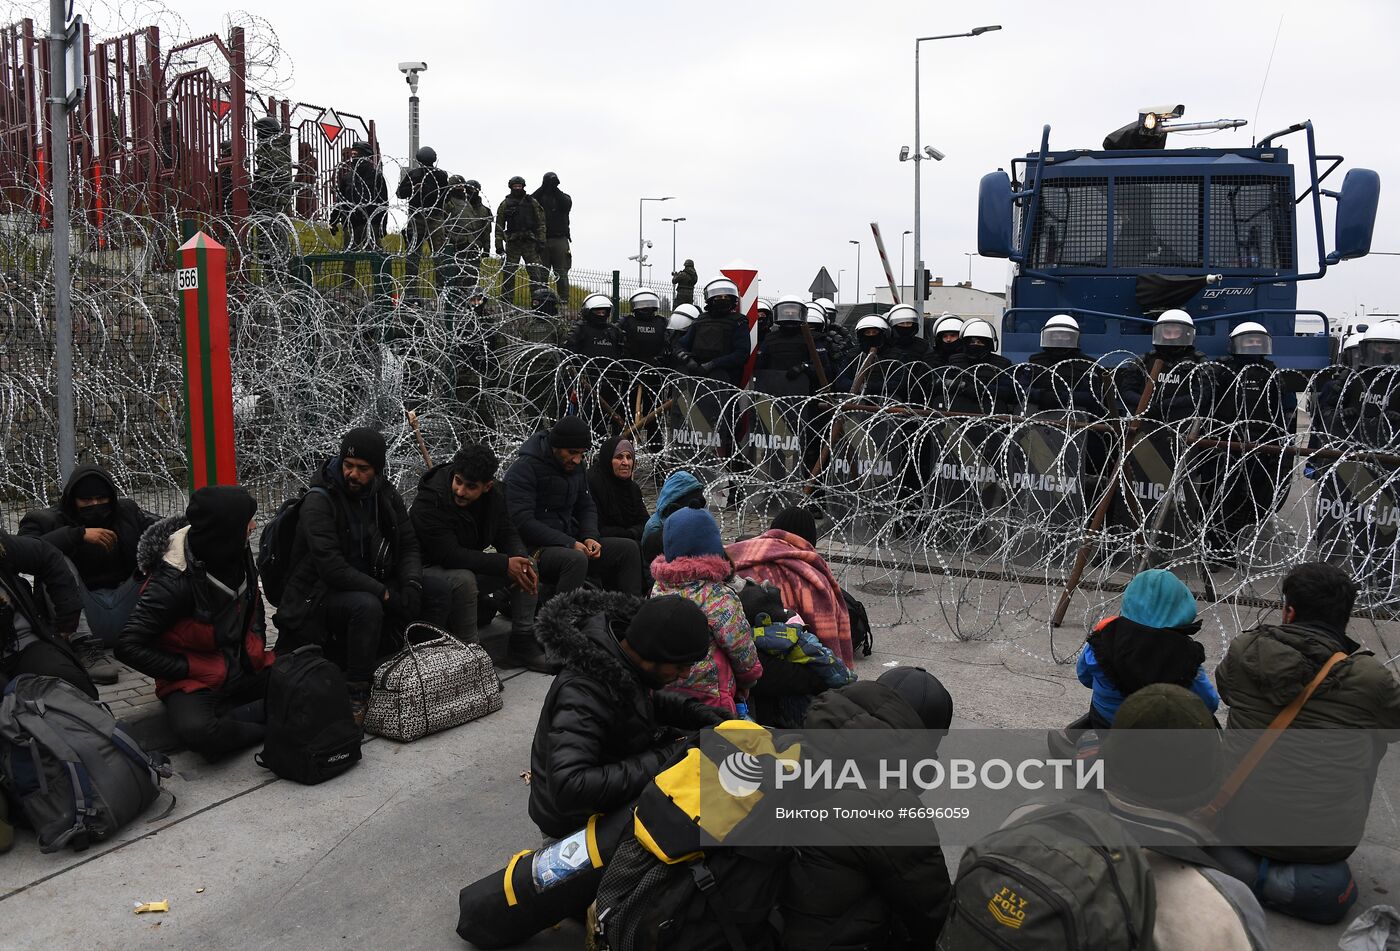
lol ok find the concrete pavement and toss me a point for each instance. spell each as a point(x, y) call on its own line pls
point(374, 859)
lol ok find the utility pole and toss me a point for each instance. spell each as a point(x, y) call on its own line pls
point(410, 72)
point(59, 104)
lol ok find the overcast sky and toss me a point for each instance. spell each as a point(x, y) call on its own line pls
point(777, 125)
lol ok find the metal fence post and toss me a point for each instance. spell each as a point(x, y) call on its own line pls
point(616, 292)
point(58, 162)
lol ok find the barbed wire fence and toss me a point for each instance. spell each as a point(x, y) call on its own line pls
point(985, 510)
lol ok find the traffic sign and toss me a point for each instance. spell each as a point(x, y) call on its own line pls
point(823, 286)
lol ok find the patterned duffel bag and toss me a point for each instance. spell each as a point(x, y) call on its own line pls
point(434, 683)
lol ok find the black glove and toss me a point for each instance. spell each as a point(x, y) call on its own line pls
point(410, 601)
point(692, 365)
point(794, 372)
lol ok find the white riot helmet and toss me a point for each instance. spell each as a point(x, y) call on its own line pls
point(901, 314)
point(979, 330)
point(1380, 345)
point(1060, 332)
point(816, 316)
point(645, 300)
point(597, 305)
point(765, 306)
point(721, 287)
point(1174, 328)
point(789, 311)
point(947, 324)
point(872, 331)
point(826, 304)
point(682, 317)
point(1350, 351)
point(1251, 340)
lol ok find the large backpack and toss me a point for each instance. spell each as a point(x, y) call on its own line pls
point(311, 735)
point(275, 546)
point(1064, 877)
point(77, 775)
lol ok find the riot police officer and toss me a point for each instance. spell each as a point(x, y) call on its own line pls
point(594, 334)
point(644, 330)
point(981, 383)
point(717, 344)
point(1060, 377)
point(1369, 404)
point(681, 318)
point(904, 374)
point(1181, 391)
point(596, 337)
point(783, 365)
point(840, 344)
point(946, 331)
point(872, 333)
point(765, 318)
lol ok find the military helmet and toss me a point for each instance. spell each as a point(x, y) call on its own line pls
point(645, 300)
point(361, 146)
point(1060, 332)
point(1251, 339)
point(473, 184)
point(426, 155)
point(456, 180)
point(789, 310)
point(551, 178)
point(268, 124)
point(516, 180)
point(689, 263)
point(1174, 328)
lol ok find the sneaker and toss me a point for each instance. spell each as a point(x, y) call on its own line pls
point(93, 656)
point(527, 653)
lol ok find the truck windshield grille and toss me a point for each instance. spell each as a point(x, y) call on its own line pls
point(1251, 222)
point(1157, 222)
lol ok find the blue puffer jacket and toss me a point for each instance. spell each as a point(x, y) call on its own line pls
point(550, 507)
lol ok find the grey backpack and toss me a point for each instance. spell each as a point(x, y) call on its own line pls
point(1064, 877)
point(75, 773)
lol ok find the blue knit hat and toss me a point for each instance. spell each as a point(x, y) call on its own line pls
point(690, 532)
point(1158, 598)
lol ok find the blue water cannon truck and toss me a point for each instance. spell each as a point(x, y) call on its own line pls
point(1116, 236)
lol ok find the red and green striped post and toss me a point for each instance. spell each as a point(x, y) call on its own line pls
point(208, 375)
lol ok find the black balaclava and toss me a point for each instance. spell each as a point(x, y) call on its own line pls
point(724, 304)
point(92, 486)
point(218, 536)
point(976, 350)
point(905, 332)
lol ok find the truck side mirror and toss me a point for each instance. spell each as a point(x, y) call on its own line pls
point(1356, 215)
point(995, 216)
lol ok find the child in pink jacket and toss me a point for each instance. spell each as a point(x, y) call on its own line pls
point(694, 565)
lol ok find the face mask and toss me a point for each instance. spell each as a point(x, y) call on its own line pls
point(906, 331)
point(94, 516)
point(721, 305)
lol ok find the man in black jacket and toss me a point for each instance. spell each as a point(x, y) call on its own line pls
point(30, 641)
point(458, 513)
point(355, 564)
point(607, 727)
point(547, 497)
point(557, 205)
point(97, 530)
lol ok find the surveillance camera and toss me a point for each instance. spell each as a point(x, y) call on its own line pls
point(648, 244)
point(933, 153)
point(904, 154)
point(407, 68)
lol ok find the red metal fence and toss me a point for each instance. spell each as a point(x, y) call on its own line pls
point(157, 131)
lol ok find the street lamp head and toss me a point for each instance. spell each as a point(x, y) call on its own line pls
point(907, 232)
point(904, 154)
point(678, 219)
point(979, 30)
point(853, 241)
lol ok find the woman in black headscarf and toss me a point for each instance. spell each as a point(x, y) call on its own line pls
point(621, 511)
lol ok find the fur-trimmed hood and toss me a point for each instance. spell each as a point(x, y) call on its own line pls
point(692, 568)
point(163, 541)
point(569, 629)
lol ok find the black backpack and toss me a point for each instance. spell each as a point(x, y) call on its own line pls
point(275, 546)
point(311, 735)
point(1064, 877)
point(862, 637)
point(721, 901)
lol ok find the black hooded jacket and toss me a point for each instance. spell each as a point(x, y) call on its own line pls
point(30, 556)
point(621, 511)
point(549, 506)
point(602, 735)
point(60, 526)
point(452, 536)
point(1134, 656)
point(335, 552)
point(557, 205)
point(850, 898)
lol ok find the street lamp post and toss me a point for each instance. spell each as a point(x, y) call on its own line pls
point(857, 244)
point(641, 244)
point(674, 222)
point(919, 155)
point(903, 241)
point(839, 273)
point(969, 255)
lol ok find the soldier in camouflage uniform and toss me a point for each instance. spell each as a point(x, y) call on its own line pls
point(685, 280)
point(520, 236)
point(468, 232)
point(425, 187)
point(270, 198)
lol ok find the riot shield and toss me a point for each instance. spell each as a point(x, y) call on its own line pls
point(1358, 523)
point(1045, 482)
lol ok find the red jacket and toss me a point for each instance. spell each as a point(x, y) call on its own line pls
point(184, 631)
